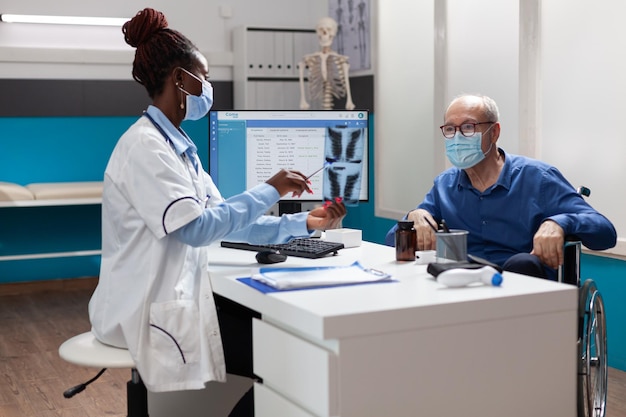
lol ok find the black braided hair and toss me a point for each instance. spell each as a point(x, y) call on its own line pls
point(159, 49)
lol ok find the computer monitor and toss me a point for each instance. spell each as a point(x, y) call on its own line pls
point(247, 147)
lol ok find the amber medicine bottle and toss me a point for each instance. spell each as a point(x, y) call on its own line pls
point(406, 241)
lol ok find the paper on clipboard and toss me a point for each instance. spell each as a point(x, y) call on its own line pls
point(286, 278)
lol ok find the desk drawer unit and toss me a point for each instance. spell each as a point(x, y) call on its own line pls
point(269, 403)
point(297, 375)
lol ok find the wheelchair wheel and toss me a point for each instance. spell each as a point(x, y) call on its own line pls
point(592, 349)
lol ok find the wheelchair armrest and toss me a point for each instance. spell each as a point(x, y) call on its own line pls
point(569, 272)
point(571, 238)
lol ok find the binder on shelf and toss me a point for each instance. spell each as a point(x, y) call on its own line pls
point(289, 68)
point(300, 49)
point(269, 56)
point(252, 96)
point(266, 46)
point(250, 51)
point(265, 96)
point(279, 54)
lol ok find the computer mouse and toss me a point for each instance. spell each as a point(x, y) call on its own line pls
point(270, 257)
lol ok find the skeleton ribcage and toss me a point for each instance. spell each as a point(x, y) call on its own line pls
point(322, 90)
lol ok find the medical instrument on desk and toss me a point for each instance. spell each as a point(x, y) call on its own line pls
point(461, 277)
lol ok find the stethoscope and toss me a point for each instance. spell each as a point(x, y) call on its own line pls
point(192, 167)
point(165, 135)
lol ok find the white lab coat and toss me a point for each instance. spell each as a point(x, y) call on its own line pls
point(154, 296)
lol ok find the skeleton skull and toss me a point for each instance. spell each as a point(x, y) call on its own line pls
point(326, 30)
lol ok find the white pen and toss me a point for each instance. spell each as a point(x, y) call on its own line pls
point(323, 166)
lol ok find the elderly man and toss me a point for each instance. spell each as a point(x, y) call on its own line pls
point(517, 210)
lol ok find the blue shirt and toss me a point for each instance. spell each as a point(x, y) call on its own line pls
point(223, 221)
point(179, 140)
point(220, 222)
point(503, 219)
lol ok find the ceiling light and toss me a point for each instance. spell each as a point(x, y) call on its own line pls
point(64, 20)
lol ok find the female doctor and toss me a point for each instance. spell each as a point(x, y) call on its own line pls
point(159, 211)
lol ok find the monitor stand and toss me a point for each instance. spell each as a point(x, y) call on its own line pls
point(290, 207)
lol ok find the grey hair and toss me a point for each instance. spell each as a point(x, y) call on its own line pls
point(490, 107)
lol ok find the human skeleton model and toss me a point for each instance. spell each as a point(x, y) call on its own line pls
point(328, 71)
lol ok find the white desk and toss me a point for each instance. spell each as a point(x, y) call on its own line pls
point(407, 348)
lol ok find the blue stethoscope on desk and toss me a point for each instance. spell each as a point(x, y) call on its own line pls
point(189, 162)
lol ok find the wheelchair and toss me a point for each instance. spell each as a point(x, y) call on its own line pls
point(592, 379)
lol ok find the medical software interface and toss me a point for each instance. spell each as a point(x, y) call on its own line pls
point(248, 147)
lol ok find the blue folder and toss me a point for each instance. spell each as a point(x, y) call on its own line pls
point(271, 279)
point(264, 288)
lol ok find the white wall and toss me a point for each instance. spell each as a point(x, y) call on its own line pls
point(483, 51)
point(582, 98)
point(404, 95)
point(428, 53)
point(38, 51)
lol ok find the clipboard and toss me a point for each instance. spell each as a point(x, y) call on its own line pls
point(282, 279)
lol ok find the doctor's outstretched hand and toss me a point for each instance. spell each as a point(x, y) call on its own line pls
point(288, 181)
point(326, 217)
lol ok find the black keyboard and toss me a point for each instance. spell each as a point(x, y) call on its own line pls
point(300, 247)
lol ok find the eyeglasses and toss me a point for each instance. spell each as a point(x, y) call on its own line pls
point(466, 129)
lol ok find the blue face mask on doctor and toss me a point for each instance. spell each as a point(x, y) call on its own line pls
point(196, 107)
point(465, 152)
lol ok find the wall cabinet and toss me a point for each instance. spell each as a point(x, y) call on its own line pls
point(265, 74)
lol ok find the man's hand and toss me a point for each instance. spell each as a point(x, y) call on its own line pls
point(326, 217)
point(426, 239)
point(548, 244)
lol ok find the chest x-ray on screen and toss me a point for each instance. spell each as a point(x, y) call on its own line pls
point(343, 150)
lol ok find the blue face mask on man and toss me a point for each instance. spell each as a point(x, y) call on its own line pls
point(464, 152)
point(196, 107)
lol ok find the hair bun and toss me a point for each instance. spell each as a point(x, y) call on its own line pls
point(140, 28)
